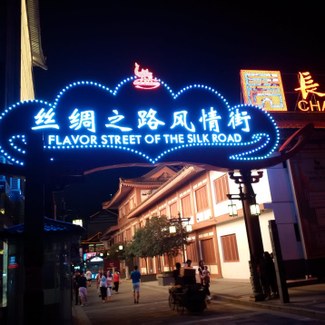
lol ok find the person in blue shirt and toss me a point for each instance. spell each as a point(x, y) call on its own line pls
point(136, 277)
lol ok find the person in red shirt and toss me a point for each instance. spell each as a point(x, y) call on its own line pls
point(116, 281)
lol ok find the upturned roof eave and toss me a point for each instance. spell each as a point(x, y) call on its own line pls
point(127, 185)
point(182, 176)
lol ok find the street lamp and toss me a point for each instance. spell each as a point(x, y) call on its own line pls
point(251, 211)
point(173, 229)
point(232, 207)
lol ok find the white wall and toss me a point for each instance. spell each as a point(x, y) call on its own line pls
point(240, 269)
point(235, 270)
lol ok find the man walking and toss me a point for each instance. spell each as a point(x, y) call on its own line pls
point(75, 279)
point(83, 294)
point(135, 277)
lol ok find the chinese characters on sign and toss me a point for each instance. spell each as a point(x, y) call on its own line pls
point(309, 94)
point(209, 121)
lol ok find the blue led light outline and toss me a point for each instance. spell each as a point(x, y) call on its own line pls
point(242, 156)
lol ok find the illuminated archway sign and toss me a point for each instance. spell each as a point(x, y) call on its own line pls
point(141, 120)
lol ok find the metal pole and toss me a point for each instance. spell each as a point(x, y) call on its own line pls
point(253, 231)
point(180, 221)
point(34, 232)
point(278, 262)
point(254, 236)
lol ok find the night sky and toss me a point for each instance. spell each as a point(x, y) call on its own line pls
point(182, 42)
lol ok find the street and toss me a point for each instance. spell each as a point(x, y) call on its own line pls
point(153, 308)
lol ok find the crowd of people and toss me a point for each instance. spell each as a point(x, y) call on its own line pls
point(107, 282)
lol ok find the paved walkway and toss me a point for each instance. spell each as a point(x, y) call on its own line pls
point(305, 298)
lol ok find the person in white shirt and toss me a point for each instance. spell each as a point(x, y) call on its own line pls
point(109, 285)
point(103, 287)
point(89, 277)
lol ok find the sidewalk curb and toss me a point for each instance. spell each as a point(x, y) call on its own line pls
point(297, 310)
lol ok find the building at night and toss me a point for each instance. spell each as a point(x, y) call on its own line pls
point(290, 192)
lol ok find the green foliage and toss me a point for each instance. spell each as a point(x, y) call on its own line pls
point(114, 252)
point(154, 239)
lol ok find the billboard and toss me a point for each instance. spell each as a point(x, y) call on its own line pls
point(263, 89)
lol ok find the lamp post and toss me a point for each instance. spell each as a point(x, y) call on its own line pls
point(173, 229)
point(251, 212)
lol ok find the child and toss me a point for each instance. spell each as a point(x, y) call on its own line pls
point(206, 280)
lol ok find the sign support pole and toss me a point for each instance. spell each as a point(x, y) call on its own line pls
point(255, 243)
point(33, 306)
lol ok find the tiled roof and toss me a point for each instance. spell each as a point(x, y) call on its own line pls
point(109, 231)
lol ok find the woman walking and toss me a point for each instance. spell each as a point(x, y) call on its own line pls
point(116, 281)
point(103, 287)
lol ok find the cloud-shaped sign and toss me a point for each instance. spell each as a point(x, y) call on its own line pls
point(88, 122)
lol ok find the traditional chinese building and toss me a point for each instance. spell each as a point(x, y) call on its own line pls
point(201, 195)
point(290, 192)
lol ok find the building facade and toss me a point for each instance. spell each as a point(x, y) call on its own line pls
point(290, 193)
point(201, 195)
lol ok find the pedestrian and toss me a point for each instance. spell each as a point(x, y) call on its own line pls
point(109, 285)
point(98, 276)
point(89, 277)
point(188, 273)
point(82, 284)
point(267, 276)
point(76, 276)
point(200, 270)
point(136, 277)
point(270, 268)
point(116, 281)
point(188, 264)
point(103, 287)
point(206, 279)
point(177, 275)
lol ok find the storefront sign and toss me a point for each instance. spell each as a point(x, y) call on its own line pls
point(263, 89)
point(311, 99)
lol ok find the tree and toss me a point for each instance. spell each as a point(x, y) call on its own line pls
point(114, 252)
point(154, 239)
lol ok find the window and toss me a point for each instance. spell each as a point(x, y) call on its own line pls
point(128, 235)
point(191, 252)
point(126, 208)
point(163, 212)
point(132, 203)
point(186, 206)
point(201, 199)
point(221, 188)
point(173, 210)
point(208, 253)
point(229, 248)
